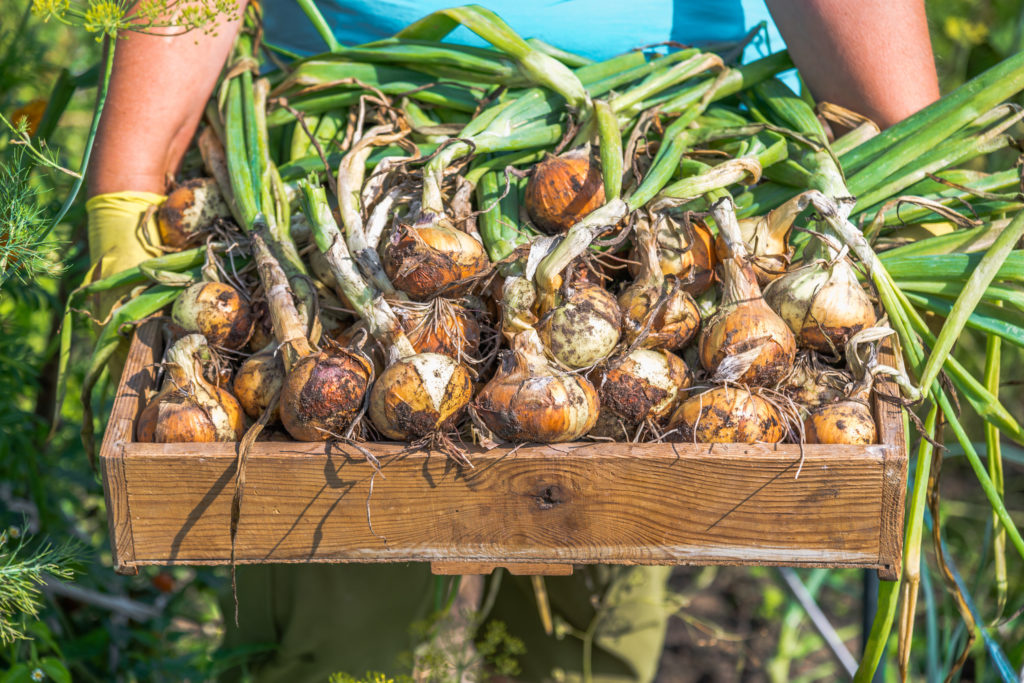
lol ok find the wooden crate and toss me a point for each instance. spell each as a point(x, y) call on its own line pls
point(535, 509)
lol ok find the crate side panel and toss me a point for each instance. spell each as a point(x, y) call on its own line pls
point(597, 503)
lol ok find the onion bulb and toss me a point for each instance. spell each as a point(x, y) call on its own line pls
point(563, 189)
point(657, 307)
point(823, 303)
point(189, 211)
point(440, 326)
point(188, 408)
point(215, 310)
point(420, 395)
point(744, 341)
point(645, 386)
point(848, 420)
point(323, 393)
point(582, 330)
point(529, 400)
point(811, 384)
point(728, 414)
point(685, 251)
point(425, 259)
point(258, 381)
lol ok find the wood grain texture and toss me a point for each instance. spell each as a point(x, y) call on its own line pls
point(889, 417)
point(444, 568)
point(138, 377)
point(532, 509)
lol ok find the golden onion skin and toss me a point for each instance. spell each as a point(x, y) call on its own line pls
point(188, 211)
point(420, 395)
point(449, 330)
point(215, 310)
point(842, 422)
point(323, 393)
point(256, 383)
point(188, 408)
point(736, 328)
point(672, 327)
point(530, 401)
point(692, 264)
point(646, 385)
point(727, 414)
point(823, 306)
point(424, 261)
point(173, 417)
point(562, 190)
point(584, 329)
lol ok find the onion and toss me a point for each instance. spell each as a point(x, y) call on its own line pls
point(661, 309)
point(529, 400)
point(215, 310)
point(188, 408)
point(744, 341)
point(686, 251)
point(848, 420)
point(420, 395)
point(323, 393)
point(563, 189)
point(810, 383)
point(823, 303)
point(189, 211)
point(728, 414)
point(645, 386)
point(426, 259)
point(440, 326)
point(258, 381)
point(582, 330)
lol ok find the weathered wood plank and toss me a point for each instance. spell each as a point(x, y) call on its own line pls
point(889, 417)
point(444, 568)
point(136, 379)
point(578, 504)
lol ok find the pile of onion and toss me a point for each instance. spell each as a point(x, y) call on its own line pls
point(744, 341)
point(188, 408)
point(686, 251)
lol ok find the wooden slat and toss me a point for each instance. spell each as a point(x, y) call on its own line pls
point(575, 504)
point(444, 568)
point(889, 417)
point(137, 379)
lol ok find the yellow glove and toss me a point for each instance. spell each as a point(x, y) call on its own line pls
point(119, 238)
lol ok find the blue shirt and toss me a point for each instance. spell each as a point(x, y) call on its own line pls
point(598, 29)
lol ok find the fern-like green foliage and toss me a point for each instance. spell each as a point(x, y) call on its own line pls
point(25, 249)
point(23, 569)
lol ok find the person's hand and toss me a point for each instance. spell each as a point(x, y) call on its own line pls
point(122, 234)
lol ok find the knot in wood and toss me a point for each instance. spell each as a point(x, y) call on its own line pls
point(548, 496)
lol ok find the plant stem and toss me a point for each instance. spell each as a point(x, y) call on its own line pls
point(109, 43)
point(312, 13)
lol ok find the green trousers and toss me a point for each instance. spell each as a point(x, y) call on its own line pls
point(309, 621)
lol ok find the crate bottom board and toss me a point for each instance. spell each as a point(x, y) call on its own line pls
point(553, 505)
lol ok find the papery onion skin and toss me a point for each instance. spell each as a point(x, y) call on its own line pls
point(188, 211)
point(426, 260)
point(739, 327)
point(528, 400)
point(842, 422)
point(727, 414)
point(189, 409)
point(692, 264)
point(809, 385)
point(323, 393)
point(824, 306)
point(419, 396)
point(257, 381)
point(449, 330)
point(215, 310)
point(675, 323)
point(562, 190)
point(646, 385)
point(584, 329)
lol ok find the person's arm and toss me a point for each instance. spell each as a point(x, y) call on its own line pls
point(158, 90)
point(871, 56)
